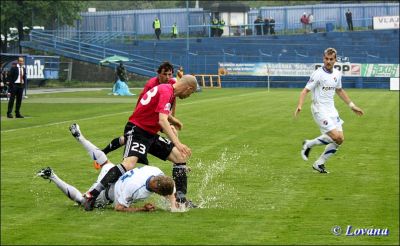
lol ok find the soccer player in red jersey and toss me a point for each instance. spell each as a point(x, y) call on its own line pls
point(152, 114)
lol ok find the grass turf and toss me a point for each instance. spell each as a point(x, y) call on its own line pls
point(247, 172)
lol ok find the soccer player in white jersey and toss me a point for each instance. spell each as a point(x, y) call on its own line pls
point(324, 83)
point(135, 185)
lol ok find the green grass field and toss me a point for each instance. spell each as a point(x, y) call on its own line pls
point(247, 172)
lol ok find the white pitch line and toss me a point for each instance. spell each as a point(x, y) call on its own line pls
point(125, 112)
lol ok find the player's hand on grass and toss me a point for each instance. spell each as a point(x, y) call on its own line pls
point(149, 207)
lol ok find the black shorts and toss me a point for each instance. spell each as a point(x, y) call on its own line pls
point(139, 142)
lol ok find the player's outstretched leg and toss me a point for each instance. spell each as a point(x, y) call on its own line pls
point(308, 144)
point(305, 151)
point(114, 144)
point(95, 153)
point(71, 192)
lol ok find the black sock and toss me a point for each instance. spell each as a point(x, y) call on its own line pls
point(180, 177)
point(113, 175)
point(114, 144)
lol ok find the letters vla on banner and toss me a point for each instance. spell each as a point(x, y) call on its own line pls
point(385, 22)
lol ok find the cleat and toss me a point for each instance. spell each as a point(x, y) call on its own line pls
point(319, 168)
point(305, 151)
point(96, 165)
point(45, 173)
point(181, 199)
point(89, 201)
point(75, 131)
point(190, 204)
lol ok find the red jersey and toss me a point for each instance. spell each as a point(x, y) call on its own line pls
point(152, 83)
point(157, 100)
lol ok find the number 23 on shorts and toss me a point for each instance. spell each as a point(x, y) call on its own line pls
point(138, 147)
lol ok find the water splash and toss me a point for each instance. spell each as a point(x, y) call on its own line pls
point(211, 193)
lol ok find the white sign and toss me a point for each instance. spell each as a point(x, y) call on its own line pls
point(394, 84)
point(386, 22)
point(35, 71)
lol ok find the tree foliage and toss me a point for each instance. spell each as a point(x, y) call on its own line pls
point(48, 13)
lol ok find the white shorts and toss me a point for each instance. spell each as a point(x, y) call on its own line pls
point(328, 123)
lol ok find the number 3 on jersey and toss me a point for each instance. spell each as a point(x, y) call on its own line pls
point(151, 93)
point(137, 147)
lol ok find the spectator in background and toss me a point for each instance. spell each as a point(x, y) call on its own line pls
point(349, 19)
point(157, 27)
point(179, 73)
point(271, 25)
point(174, 31)
point(214, 27)
point(266, 26)
point(221, 26)
point(4, 84)
point(121, 73)
point(17, 81)
point(257, 25)
point(310, 19)
point(304, 22)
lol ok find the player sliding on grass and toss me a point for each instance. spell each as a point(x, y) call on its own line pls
point(323, 83)
point(164, 76)
point(152, 114)
point(137, 184)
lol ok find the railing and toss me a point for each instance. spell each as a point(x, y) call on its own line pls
point(146, 57)
point(196, 31)
point(90, 51)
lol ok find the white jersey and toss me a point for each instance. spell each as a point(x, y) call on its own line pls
point(323, 86)
point(133, 185)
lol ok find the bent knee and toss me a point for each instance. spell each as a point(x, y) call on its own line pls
point(177, 157)
point(129, 162)
point(338, 139)
point(122, 140)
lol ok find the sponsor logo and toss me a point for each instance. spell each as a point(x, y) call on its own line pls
point(328, 88)
point(35, 71)
point(355, 70)
point(167, 107)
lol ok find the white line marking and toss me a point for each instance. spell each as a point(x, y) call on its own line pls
point(126, 112)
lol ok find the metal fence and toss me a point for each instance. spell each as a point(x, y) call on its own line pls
point(287, 18)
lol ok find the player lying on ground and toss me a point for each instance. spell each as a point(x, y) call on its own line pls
point(151, 115)
point(137, 184)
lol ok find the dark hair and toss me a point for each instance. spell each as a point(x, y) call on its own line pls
point(167, 66)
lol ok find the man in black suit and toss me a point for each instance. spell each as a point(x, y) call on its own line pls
point(17, 84)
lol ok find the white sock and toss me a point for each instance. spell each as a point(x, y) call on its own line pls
point(95, 153)
point(73, 193)
point(330, 149)
point(321, 140)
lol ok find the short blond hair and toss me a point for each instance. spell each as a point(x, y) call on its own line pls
point(165, 185)
point(330, 51)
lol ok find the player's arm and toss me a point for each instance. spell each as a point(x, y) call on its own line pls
point(146, 208)
point(302, 97)
point(173, 109)
point(343, 95)
point(175, 122)
point(166, 127)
